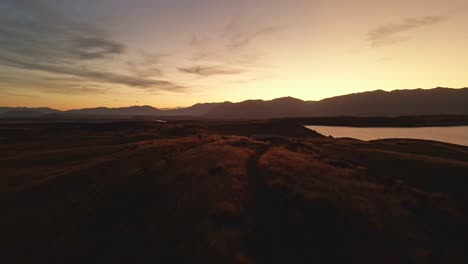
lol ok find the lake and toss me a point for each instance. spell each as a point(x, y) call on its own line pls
point(456, 135)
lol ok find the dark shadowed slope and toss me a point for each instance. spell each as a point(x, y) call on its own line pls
point(395, 103)
point(43, 110)
point(382, 121)
point(200, 109)
point(376, 103)
point(281, 107)
point(139, 192)
point(124, 111)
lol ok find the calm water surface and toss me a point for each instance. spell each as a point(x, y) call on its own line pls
point(456, 135)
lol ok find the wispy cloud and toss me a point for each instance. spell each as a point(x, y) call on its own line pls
point(388, 34)
point(230, 53)
point(75, 89)
point(211, 70)
point(93, 75)
point(96, 48)
point(147, 65)
point(240, 38)
point(18, 95)
point(35, 37)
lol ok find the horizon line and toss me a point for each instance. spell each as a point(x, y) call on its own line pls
point(234, 102)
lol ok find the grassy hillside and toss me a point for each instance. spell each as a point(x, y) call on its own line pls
point(139, 192)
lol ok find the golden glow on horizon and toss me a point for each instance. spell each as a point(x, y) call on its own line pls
point(236, 51)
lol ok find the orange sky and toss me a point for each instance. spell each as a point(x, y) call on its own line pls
point(75, 54)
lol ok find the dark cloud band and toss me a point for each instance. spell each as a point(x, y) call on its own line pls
point(34, 37)
point(210, 70)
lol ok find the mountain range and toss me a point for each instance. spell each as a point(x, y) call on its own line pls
point(435, 101)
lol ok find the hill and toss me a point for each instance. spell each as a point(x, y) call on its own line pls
point(42, 110)
point(226, 192)
point(376, 103)
point(438, 101)
point(122, 111)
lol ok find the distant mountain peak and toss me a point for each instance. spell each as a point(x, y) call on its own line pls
point(139, 107)
point(440, 100)
point(287, 99)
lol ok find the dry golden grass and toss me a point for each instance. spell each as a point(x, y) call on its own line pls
point(183, 193)
point(283, 161)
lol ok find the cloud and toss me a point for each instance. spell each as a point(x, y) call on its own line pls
point(18, 95)
point(75, 89)
point(211, 70)
point(32, 29)
point(238, 38)
point(35, 37)
point(97, 76)
point(386, 34)
point(147, 65)
point(96, 48)
point(230, 53)
point(232, 45)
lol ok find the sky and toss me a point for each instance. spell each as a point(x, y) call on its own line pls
point(69, 54)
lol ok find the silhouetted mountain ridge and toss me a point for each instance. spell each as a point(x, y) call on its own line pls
point(374, 103)
point(43, 110)
point(395, 103)
point(437, 101)
point(144, 110)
